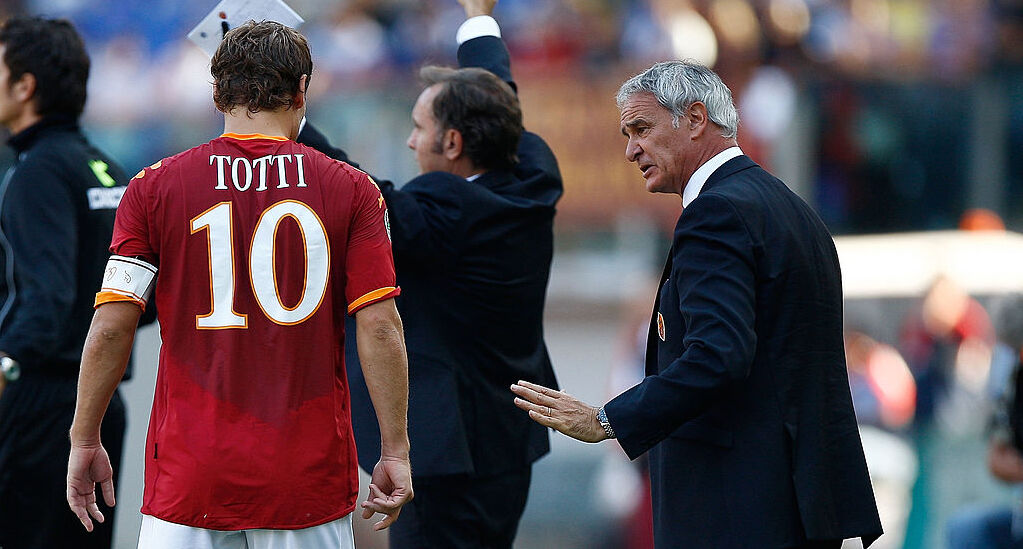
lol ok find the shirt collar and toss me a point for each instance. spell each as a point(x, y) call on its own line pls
point(24, 139)
point(474, 176)
point(700, 176)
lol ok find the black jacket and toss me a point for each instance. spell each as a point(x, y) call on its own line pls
point(746, 410)
point(473, 260)
point(57, 206)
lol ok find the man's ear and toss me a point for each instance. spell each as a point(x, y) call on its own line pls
point(452, 144)
point(697, 119)
point(303, 86)
point(24, 89)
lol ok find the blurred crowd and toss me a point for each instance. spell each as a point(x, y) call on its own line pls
point(855, 83)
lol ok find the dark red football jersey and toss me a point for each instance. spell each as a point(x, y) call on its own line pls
point(262, 246)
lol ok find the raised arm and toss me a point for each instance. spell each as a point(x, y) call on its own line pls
point(385, 368)
point(479, 40)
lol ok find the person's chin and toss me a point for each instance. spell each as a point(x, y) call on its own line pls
point(654, 185)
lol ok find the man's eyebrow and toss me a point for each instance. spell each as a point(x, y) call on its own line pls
point(632, 124)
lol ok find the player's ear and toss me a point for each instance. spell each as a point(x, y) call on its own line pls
point(299, 100)
point(452, 143)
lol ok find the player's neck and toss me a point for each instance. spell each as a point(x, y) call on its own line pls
point(282, 123)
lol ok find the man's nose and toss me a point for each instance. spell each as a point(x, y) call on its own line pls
point(632, 150)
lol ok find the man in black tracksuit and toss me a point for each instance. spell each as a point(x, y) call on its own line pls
point(57, 206)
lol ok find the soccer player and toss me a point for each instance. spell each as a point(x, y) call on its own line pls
point(261, 247)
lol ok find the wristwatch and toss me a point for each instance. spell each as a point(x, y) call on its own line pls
point(10, 368)
point(602, 419)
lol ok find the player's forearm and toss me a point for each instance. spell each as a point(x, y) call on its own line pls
point(104, 359)
point(385, 368)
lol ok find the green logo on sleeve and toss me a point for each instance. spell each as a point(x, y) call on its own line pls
point(99, 169)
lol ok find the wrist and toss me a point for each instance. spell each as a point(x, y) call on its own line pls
point(83, 441)
point(609, 431)
point(393, 451)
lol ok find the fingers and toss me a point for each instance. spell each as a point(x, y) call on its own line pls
point(536, 388)
point(388, 505)
point(108, 492)
point(83, 516)
point(371, 504)
point(93, 509)
point(537, 394)
point(543, 411)
point(387, 521)
point(84, 506)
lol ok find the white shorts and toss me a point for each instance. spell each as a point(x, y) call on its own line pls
point(160, 534)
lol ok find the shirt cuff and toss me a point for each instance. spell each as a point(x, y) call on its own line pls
point(475, 27)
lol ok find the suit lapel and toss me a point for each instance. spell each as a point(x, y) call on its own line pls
point(652, 334)
point(729, 168)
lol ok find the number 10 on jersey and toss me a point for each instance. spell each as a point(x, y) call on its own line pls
point(218, 224)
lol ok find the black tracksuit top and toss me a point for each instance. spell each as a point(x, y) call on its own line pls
point(57, 206)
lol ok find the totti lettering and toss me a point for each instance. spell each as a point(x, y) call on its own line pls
point(242, 171)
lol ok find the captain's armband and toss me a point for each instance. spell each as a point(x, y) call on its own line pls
point(127, 279)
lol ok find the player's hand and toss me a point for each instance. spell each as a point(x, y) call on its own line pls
point(390, 487)
point(559, 411)
point(475, 8)
point(87, 466)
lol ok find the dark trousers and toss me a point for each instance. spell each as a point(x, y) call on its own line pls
point(462, 512)
point(35, 418)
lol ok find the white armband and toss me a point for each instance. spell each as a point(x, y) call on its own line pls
point(126, 279)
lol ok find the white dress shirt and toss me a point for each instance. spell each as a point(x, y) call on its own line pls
point(700, 176)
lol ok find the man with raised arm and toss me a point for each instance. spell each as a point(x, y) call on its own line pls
point(261, 247)
point(473, 241)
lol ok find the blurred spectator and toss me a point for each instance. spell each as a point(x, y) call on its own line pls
point(948, 342)
point(991, 525)
point(884, 396)
point(883, 390)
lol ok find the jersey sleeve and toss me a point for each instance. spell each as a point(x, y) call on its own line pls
point(369, 265)
point(134, 256)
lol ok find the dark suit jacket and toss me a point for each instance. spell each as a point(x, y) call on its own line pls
point(473, 260)
point(746, 409)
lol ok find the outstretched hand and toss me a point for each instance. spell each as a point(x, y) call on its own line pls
point(390, 487)
point(475, 8)
point(559, 410)
point(87, 466)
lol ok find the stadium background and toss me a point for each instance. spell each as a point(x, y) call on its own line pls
point(885, 115)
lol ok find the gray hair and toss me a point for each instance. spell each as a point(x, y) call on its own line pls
point(679, 84)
